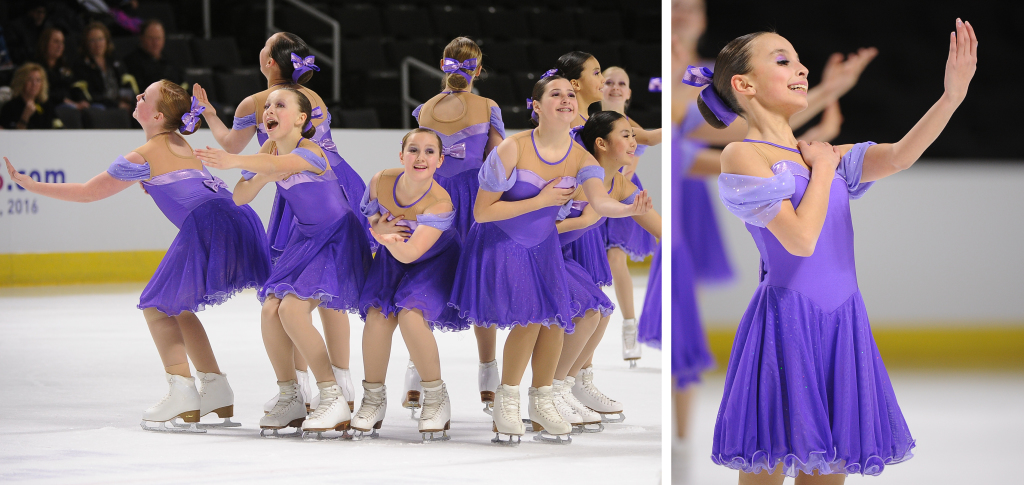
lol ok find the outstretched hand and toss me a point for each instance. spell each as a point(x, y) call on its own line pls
point(21, 179)
point(962, 61)
point(217, 158)
point(203, 100)
point(641, 204)
point(842, 72)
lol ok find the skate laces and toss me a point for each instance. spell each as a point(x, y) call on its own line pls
point(285, 400)
point(328, 399)
point(561, 402)
point(510, 407)
point(433, 401)
point(372, 400)
point(588, 385)
point(546, 407)
point(629, 334)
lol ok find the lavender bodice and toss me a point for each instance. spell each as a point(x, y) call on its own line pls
point(829, 276)
point(442, 222)
point(321, 137)
point(176, 193)
point(464, 149)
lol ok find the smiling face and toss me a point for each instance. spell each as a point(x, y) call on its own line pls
point(146, 110)
point(778, 79)
point(591, 81)
point(281, 114)
point(421, 156)
point(620, 144)
point(558, 103)
point(616, 87)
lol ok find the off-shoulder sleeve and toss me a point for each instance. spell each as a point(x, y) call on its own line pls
point(640, 149)
point(315, 160)
point(416, 112)
point(368, 207)
point(492, 174)
point(127, 171)
point(851, 168)
point(248, 175)
point(440, 221)
point(244, 122)
point(631, 197)
point(755, 200)
point(497, 122)
point(589, 172)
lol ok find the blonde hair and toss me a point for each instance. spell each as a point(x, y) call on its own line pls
point(461, 49)
point(607, 72)
point(174, 103)
point(21, 77)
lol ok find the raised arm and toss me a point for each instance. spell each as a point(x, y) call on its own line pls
point(606, 205)
point(489, 207)
point(233, 141)
point(247, 188)
point(99, 187)
point(797, 229)
point(651, 222)
point(885, 159)
point(423, 238)
point(261, 163)
point(646, 137)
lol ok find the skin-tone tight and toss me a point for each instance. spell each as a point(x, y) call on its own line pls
point(574, 343)
point(682, 399)
point(418, 338)
point(486, 342)
point(542, 345)
point(336, 333)
point(178, 339)
point(764, 478)
point(586, 357)
point(287, 322)
point(622, 281)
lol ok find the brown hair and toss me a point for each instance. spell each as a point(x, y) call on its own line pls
point(414, 131)
point(43, 45)
point(174, 103)
point(106, 33)
point(21, 77)
point(281, 52)
point(733, 59)
point(461, 49)
point(305, 107)
point(538, 92)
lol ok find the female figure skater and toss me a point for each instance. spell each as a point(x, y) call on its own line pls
point(510, 272)
point(610, 138)
point(469, 126)
point(220, 249)
point(623, 236)
point(285, 62)
point(410, 281)
point(806, 393)
point(323, 264)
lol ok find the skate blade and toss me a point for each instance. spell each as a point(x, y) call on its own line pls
point(497, 440)
point(545, 437)
point(412, 412)
point(488, 409)
point(528, 424)
point(274, 433)
point(317, 434)
point(588, 428)
point(162, 427)
point(359, 435)
point(444, 436)
point(632, 363)
point(227, 423)
point(610, 417)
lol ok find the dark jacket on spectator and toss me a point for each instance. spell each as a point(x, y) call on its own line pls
point(93, 86)
point(10, 114)
point(148, 70)
point(60, 77)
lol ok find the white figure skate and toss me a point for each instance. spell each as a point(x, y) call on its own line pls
point(371, 412)
point(549, 425)
point(564, 409)
point(344, 379)
point(182, 401)
point(302, 379)
point(591, 397)
point(412, 390)
point(436, 415)
point(215, 396)
point(288, 412)
point(488, 379)
point(331, 414)
point(630, 347)
point(507, 419)
point(590, 419)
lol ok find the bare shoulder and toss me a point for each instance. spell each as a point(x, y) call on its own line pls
point(742, 159)
point(135, 157)
point(440, 207)
point(246, 107)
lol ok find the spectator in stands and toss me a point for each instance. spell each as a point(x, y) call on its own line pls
point(50, 54)
point(23, 32)
point(147, 63)
point(28, 109)
point(101, 80)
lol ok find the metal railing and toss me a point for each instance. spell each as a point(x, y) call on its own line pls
point(408, 103)
point(333, 61)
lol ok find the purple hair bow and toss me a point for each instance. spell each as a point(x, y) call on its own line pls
point(702, 76)
point(549, 72)
point(302, 66)
point(192, 117)
point(316, 114)
point(457, 150)
point(453, 66)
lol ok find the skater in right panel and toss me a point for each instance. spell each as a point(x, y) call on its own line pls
point(806, 393)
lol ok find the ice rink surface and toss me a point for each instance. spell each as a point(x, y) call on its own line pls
point(79, 368)
point(968, 426)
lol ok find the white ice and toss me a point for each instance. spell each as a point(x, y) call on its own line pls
point(79, 367)
point(968, 427)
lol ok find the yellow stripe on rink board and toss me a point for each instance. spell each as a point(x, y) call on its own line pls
point(78, 268)
point(965, 345)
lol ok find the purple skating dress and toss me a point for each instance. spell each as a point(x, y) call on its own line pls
point(220, 248)
point(424, 284)
point(806, 388)
point(327, 255)
point(463, 149)
point(512, 271)
point(585, 293)
point(352, 186)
